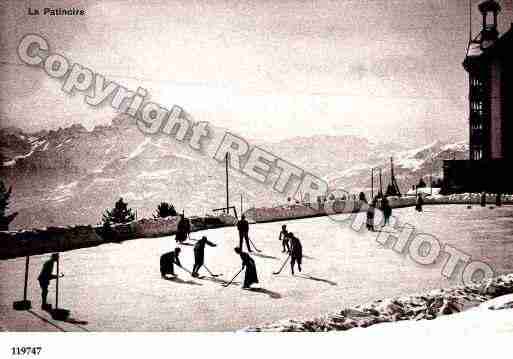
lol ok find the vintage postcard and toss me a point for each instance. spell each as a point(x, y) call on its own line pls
point(229, 167)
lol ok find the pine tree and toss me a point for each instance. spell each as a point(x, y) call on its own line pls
point(421, 184)
point(165, 210)
point(119, 214)
point(5, 219)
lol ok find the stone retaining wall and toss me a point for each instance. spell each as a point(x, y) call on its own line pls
point(56, 239)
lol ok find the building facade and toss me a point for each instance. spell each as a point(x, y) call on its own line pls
point(489, 66)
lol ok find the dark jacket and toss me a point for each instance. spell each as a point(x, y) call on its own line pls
point(296, 249)
point(385, 207)
point(47, 272)
point(250, 276)
point(167, 261)
point(243, 226)
point(183, 228)
point(199, 250)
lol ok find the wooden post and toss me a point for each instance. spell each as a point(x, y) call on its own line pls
point(24, 304)
point(372, 184)
point(57, 284)
point(380, 185)
point(26, 278)
point(431, 177)
point(227, 157)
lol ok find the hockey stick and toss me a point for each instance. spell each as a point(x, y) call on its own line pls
point(236, 275)
point(253, 244)
point(285, 262)
point(213, 275)
point(185, 269)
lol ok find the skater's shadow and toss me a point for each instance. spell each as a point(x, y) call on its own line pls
point(270, 293)
point(181, 281)
point(46, 320)
point(78, 323)
point(218, 280)
point(308, 257)
point(317, 279)
point(264, 256)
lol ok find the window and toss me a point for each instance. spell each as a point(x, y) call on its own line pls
point(477, 154)
point(477, 125)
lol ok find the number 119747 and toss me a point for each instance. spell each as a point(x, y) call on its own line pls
point(26, 350)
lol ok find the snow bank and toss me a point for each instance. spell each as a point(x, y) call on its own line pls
point(56, 239)
point(425, 306)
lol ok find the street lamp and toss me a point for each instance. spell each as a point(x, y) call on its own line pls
point(380, 193)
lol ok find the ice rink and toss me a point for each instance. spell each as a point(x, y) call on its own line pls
point(117, 287)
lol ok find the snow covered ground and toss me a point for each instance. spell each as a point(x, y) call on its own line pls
point(477, 322)
point(117, 287)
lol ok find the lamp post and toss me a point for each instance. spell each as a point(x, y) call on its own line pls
point(372, 182)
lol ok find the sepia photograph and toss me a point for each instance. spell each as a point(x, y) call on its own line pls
point(333, 173)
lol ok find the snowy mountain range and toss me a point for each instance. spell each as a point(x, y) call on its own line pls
point(71, 175)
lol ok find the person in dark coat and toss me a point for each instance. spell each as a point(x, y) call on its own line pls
point(296, 252)
point(243, 228)
point(370, 216)
point(250, 275)
point(387, 210)
point(420, 202)
point(45, 277)
point(284, 238)
point(199, 254)
point(183, 229)
point(167, 262)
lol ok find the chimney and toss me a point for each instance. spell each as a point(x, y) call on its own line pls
point(489, 10)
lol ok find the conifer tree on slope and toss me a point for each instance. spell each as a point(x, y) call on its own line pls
point(5, 219)
point(165, 210)
point(119, 214)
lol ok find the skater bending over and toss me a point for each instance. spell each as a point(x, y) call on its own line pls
point(284, 238)
point(250, 275)
point(199, 254)
point(296, 252)
point(167, 262)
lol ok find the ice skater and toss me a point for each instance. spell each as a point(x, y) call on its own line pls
point(250, 275)
point(199, 254)
point(183, 229)
point(370, 216)
point(243, 228)
point(44, 279)
point(167, 262)
point(419, 203)
point(284, 238)
point(296, 252)
point(387, 210)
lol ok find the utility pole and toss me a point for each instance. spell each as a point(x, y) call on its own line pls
point(227, 157)
point(380, 185)
point(431, 176)
point(372, 184)
point(392, 178)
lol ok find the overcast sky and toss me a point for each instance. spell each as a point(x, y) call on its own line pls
point(386, 70)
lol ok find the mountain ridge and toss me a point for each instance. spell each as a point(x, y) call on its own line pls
point(70, 175)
